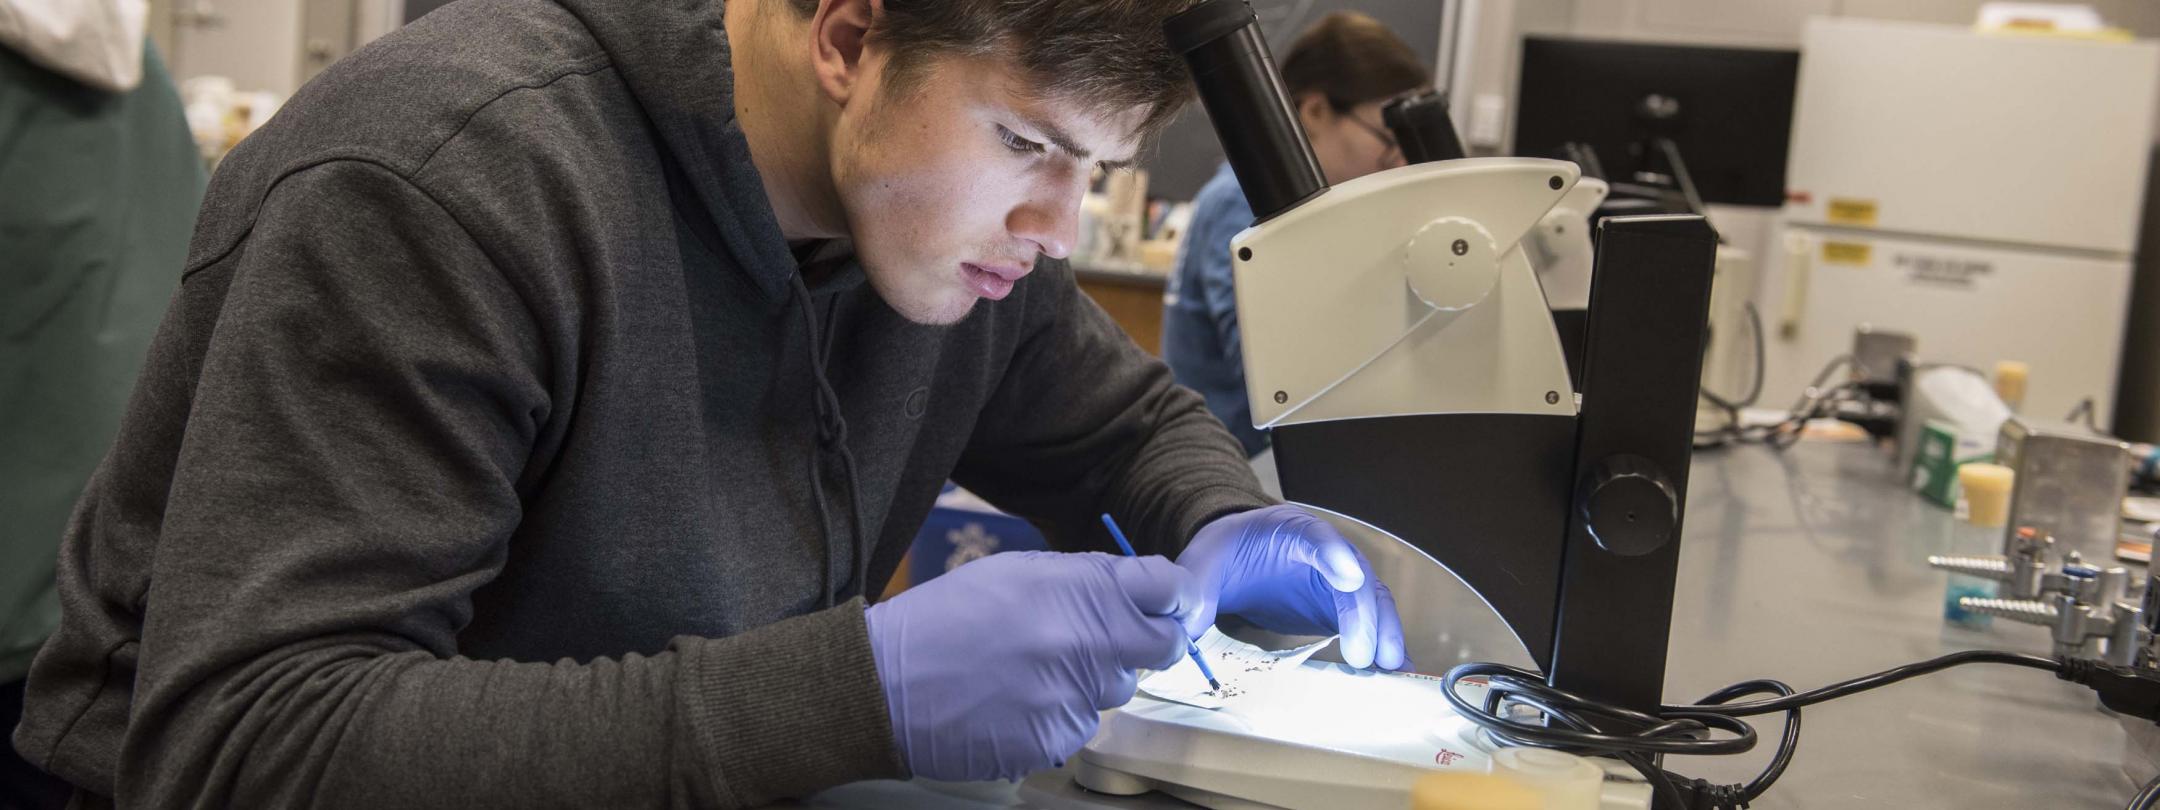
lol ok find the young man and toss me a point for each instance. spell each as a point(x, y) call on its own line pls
point(1339, 72)
point(549, 381)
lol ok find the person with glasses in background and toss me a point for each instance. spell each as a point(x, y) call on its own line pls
point(1339, 73)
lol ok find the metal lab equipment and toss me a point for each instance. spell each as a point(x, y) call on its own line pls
point(2070, 484)
point(2081, 605)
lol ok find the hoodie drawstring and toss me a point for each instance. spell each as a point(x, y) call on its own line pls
point(832, 435)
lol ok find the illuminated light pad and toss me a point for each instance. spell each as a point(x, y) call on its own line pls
point(1241, 668)
point(1321, 736)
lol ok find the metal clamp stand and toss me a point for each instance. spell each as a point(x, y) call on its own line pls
point(2079, 603)
point(2022, 565)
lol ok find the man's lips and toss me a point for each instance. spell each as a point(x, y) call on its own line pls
point(991, 280)
point(1005, 270)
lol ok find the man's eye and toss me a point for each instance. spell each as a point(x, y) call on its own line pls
point(1017, 143)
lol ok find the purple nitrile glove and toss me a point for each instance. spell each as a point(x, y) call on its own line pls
point(1291, 572)
point(999, 667)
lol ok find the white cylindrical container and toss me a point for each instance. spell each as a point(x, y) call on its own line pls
point(1567, 782)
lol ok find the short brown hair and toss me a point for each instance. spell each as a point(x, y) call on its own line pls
point(1109, 55)
point(1350, 59)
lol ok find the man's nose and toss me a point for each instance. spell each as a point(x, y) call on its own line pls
point(1050, 222)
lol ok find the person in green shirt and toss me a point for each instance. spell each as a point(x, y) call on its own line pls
point(98, 193)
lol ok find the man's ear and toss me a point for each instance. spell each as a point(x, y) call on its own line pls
point(837, 32)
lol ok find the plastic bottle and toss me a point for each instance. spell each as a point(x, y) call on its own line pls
point(1983, 508)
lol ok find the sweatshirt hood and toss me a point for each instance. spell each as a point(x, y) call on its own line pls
point(674, 56)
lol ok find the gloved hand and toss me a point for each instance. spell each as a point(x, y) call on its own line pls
point(998, 668)
point(1291, 572)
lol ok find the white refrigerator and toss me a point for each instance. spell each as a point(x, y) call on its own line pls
point(1979, 191)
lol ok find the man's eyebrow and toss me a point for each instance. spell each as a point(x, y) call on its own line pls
point(1065, 142)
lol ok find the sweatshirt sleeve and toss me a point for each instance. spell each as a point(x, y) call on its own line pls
point(1084, 422)
point(364, 410)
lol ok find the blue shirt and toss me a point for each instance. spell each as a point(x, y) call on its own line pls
point(1200, 321)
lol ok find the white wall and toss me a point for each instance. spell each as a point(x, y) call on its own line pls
point(256, 43)
point(1777, 23)
point(1774, 23)
point(1496, 52)
point(274, 45)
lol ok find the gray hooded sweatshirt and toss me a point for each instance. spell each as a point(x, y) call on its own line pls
point(491, 453)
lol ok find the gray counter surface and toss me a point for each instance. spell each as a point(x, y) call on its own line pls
point(1810, 567)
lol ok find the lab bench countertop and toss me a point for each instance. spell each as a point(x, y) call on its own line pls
point(1133, 297)
point(1808, 566)
point(1134, 275)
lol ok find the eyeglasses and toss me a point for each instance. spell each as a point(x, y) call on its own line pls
point(1386, 139)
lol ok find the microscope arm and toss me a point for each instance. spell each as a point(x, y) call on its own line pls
point(1404, 292)
point(1561, 249)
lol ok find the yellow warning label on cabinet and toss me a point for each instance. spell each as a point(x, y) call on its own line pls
point(1848, 211)
point(1846, 252)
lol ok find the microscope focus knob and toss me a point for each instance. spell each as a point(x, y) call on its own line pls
point(1629, 506)
point(1451, 264)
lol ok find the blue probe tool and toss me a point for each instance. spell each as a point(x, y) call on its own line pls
point(1191, 648)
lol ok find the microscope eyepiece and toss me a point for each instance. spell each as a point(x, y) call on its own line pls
point(1247, 104)
point(1420, 123)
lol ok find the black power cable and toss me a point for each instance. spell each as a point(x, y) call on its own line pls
point(1814, 403)
point(2084, 412)
point(1520, 708)
point(1786, 432)
point(1755, 386)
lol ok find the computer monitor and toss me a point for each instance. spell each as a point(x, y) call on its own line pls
point(1728, 110)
